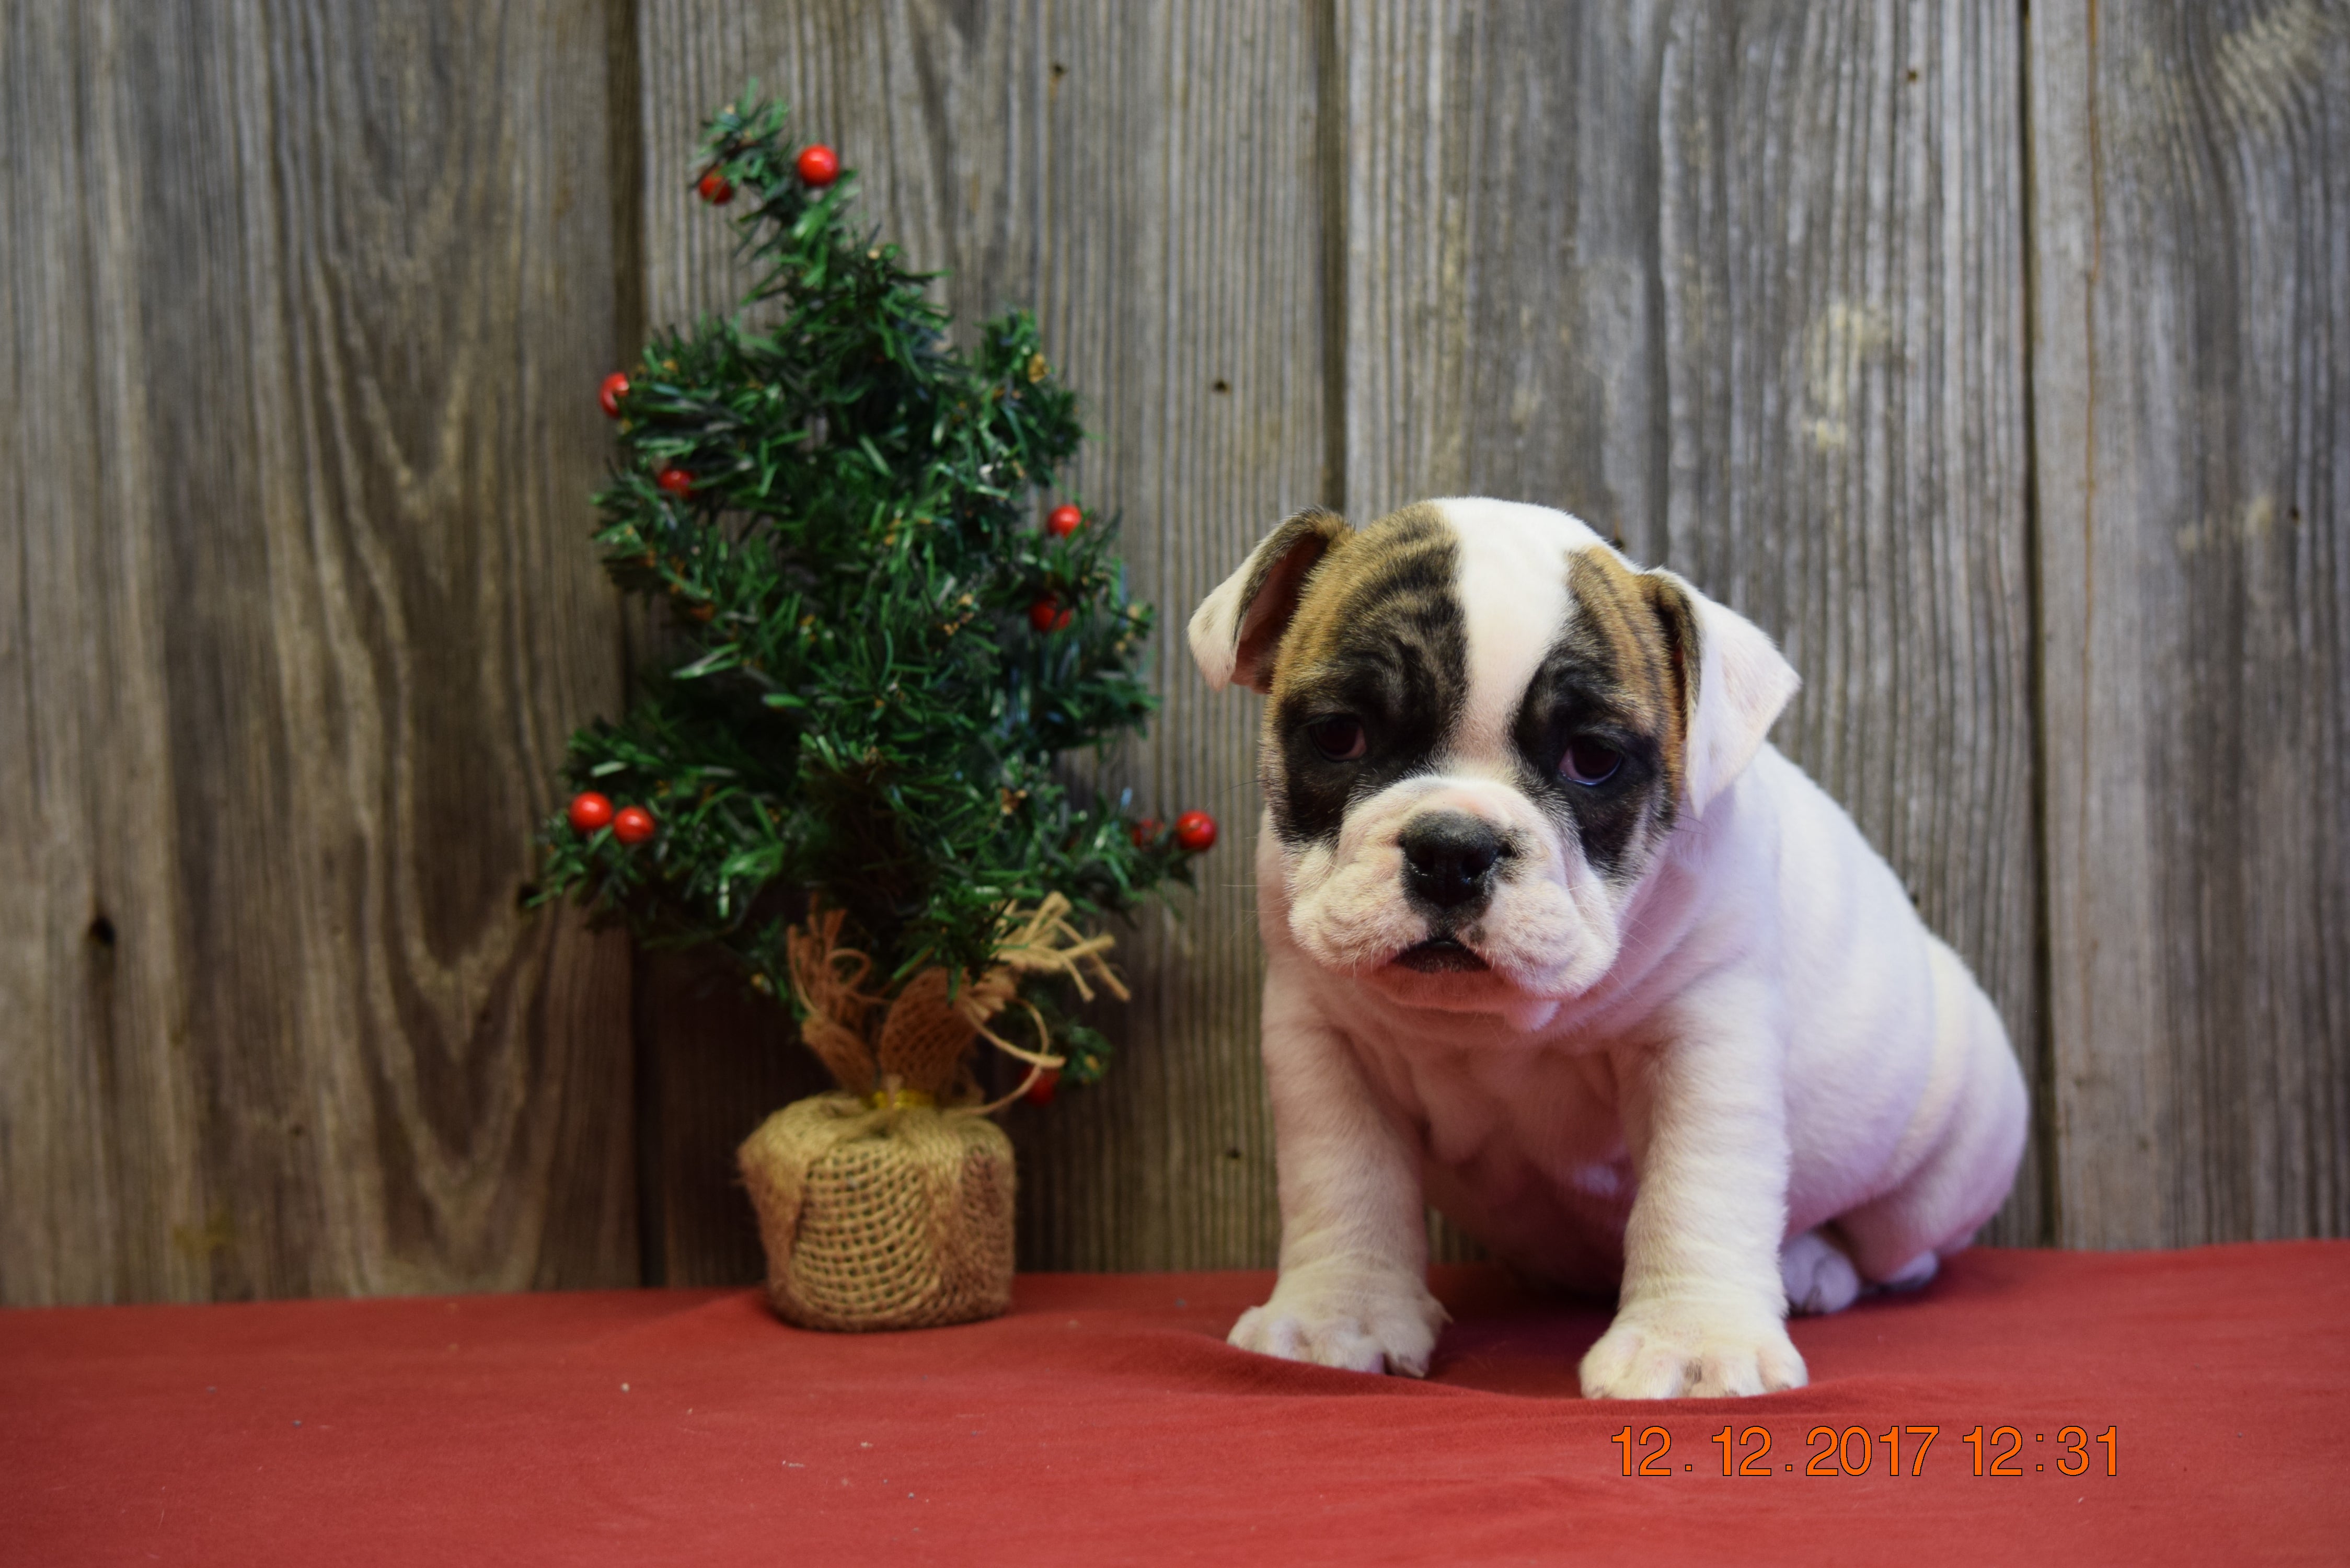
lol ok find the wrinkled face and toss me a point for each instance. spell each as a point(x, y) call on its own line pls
point(1479, 736)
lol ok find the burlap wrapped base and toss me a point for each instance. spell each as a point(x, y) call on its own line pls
point(877, 1209)
point(874, 1219)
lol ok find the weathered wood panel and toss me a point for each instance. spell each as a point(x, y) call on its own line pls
point(1143, 177)
point(98, 1109)
point(302, 308)
point(1741, 284)
point(2191, 226)
point(306, 306)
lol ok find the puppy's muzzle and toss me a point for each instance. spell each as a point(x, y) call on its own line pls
point(1449, 860)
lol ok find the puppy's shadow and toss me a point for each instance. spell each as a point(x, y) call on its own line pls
point(1511, 1334)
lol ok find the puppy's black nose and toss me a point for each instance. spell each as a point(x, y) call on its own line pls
point(1449, 859)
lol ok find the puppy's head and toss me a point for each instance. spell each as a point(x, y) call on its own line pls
point(1483, 726)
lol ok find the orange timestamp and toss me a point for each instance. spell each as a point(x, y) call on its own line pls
point(1857, 1451)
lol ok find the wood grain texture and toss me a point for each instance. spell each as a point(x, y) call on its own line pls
point(1143, 178)
point(2191, 224)
point(305, 308)
point(1743, 285)
point(305, 303)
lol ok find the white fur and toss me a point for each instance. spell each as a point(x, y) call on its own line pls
point(1215, 630)
point(1514, 577)
point(1665, 1089)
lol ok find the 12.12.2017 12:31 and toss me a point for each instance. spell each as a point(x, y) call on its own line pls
point(1852, 1451)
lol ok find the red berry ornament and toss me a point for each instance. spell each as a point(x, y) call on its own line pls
point(615, 387)
point(1062, 521)
point(1195, 831)
point(589, 811)
point(714, 188)
point(677, 482)
point(1047, 615)
point(1040, 1093)
point(634, 825)
point(1146, 833)
point(818, 165)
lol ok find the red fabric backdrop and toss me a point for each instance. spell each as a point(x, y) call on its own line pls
point(1104, 1421)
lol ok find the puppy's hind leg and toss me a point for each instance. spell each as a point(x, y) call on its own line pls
point(1980, 1121)
point(1818, 1277)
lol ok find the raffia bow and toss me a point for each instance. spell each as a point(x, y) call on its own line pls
point(916, 1055)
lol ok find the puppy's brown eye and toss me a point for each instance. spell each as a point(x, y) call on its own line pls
point(1339, 737)
point(1589, 761)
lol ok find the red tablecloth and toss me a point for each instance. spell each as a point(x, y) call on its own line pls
point(1106, 1421)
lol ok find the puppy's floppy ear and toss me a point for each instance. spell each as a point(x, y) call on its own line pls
point(1237, 629)
point(1733, 682)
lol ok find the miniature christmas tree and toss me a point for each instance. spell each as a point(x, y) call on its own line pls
point(880, 650)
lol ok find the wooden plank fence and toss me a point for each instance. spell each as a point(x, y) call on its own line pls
point(1992, 359)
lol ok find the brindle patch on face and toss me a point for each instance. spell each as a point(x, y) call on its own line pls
point(1380, 637)
point(1620, 674)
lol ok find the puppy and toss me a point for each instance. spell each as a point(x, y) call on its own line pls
point(1556, 942)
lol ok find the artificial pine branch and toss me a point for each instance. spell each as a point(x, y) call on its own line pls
point(838, 508)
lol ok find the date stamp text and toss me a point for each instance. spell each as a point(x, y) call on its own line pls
point(1897, 1450)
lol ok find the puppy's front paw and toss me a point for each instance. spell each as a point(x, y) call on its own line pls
point(1363, 1320)
point(1667, 1352)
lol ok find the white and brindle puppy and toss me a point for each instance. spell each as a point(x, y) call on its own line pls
point(1557, 944)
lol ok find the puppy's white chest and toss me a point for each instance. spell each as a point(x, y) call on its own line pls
point(1520, 1140)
